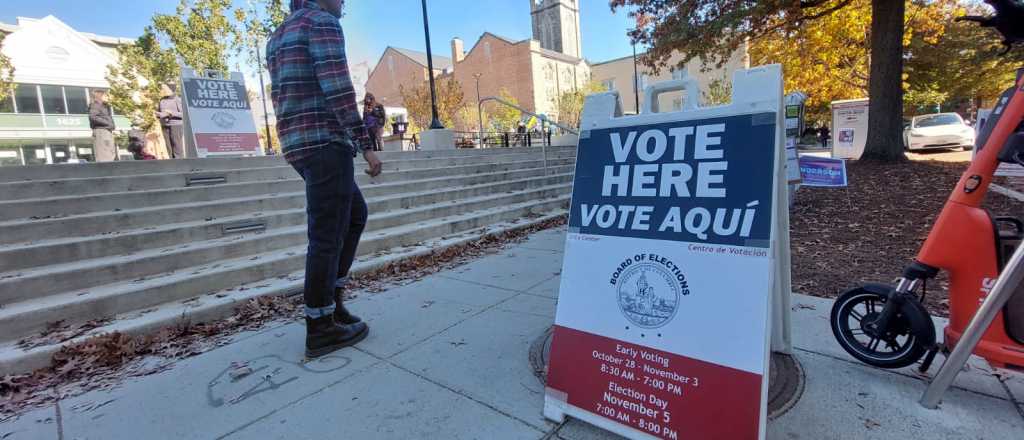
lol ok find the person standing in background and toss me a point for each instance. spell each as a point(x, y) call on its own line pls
point(374, 117)
point(101, 121)
point(169, 113)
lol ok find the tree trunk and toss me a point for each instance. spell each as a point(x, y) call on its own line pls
point(885, 112)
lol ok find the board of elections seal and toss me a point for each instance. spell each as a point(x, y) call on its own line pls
point(224, 120)
point(649, 291)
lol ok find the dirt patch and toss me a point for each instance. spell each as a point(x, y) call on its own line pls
point(106, 360)
point(870, 231)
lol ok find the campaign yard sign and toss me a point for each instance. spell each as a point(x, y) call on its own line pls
point(662, 326)
point(219, 115)
point(823, 171)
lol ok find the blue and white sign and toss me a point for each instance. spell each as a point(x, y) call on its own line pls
point(672, 265)
point(823, 171)
point(704, 181)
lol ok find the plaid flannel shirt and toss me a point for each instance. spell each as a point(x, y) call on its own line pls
point(310, 84)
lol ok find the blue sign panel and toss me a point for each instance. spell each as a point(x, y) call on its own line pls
point(823, 171)
point(699, 181)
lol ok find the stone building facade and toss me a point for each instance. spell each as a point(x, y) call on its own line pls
point(556, 25)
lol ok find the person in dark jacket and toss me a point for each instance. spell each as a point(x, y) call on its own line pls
point(169, 113)
point(824, 134)
point(137, 145)
point(101, 121)
point(374, 117)
point(321, 132)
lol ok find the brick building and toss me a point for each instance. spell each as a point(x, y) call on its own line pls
point(534, 71)
point(398, 67)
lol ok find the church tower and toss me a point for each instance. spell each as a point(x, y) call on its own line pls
point(556, 24)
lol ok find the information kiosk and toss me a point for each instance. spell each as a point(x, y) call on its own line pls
point(672, 280)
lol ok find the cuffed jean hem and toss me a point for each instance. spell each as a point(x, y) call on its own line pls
point(319, 312)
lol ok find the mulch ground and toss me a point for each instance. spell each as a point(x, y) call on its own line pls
point(870, 231)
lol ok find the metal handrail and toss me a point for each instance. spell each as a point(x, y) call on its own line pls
point(542, 118)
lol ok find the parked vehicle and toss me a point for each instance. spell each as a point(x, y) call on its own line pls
point(940, 130)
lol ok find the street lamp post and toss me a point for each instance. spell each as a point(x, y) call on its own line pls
point(479, 108)
point(436, 123)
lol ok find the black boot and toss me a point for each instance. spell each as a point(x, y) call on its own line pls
point(323, 335)
point(341, 314)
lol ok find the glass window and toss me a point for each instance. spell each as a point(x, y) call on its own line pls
point(77, 102)
point(84, 150)
point(34, 154)
point(677, 103)
point(641, 81)
point(26, 98)
point(937, 120)
point(61, 152)
point(679, 74)
point(7, 105)
point(608, 84)
point(53, 100)
point(10, 153)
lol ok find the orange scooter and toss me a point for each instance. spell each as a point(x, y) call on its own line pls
point(888, 327)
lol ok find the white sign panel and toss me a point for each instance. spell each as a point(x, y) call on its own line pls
point(666, 291)
point(792, 161)
point(220, 116)
point(849, 128)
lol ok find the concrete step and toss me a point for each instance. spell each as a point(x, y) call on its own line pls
point(70, 249)
point(31, 315)
point(96, 170)
point(63, 206)
point(119, 221)
point(389, 212)
point(88, 186)
point(217, 304)
point(74, 248)
point(27, 190)
point(16, 232)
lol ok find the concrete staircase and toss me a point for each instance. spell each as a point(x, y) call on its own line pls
point(145, 244)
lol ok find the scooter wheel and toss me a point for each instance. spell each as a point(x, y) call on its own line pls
point(896, 347)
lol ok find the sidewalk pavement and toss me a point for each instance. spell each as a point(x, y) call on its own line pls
point(448, 358)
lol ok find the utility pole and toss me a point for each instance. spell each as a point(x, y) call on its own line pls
point(479, 108)
point(436, 122)
point(263, 96)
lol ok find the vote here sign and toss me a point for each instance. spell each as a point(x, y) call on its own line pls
point(220, 116)
point(662, 322)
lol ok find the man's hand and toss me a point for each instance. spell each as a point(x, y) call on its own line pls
point(375, 164)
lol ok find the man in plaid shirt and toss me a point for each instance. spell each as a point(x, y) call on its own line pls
point(321, 131)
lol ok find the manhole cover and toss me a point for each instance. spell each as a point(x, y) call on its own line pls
point(785, 376)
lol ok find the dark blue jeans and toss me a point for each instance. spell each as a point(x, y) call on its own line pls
point(337, 215)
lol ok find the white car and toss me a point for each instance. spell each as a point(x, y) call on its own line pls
point(940, 130)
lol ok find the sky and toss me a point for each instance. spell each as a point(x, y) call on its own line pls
point(370, 25)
